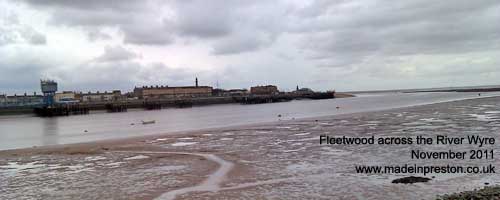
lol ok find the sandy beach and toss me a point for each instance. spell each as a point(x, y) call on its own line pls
point(281, 160)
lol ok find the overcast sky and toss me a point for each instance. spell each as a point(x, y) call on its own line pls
point(325, 44)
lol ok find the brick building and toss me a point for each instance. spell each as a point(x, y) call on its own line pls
point(264, 90)
point(158, 92)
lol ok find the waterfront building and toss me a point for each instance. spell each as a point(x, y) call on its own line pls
point(65, 96)
point(159, 92)
point(99, 96)
point(3, 99)
point(218, 92)
point(166, 92)
point(237, 92)
point(227, 93)
point(264, 90)
point(304, 91)
point(21, 100)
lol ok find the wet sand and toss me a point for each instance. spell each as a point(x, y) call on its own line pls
point(281, 160)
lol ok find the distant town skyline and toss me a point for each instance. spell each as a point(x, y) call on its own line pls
point(342, 45)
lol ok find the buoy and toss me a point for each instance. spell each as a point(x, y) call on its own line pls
point(85, 131)
point(337, 107)
point(279, 115)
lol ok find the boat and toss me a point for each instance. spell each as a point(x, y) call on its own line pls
point(148, 122)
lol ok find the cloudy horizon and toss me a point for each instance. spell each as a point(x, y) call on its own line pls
point(343, 45)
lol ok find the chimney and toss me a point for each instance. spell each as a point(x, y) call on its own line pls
point(196, 81)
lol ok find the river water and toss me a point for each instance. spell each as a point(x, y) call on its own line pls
point(22, 131)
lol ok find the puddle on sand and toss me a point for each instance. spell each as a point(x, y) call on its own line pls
point(432, 120)
point(114, 164)
point(95, 158)
point(13, 168)
point(180, 144)
point(483, 118)
point(167, 168)
point(139, 157)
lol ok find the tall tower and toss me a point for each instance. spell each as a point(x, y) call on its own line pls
point(49, 89)
point(196, 82)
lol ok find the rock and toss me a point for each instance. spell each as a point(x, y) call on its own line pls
point(411, 179)
point(486, 193)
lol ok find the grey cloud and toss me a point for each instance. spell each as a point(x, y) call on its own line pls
point(116, 53)
point(33, 37)
point(90, 18)
point(120, 5)
point(21, 74)
point(11, 18)
point(12, 32)
point(242, 43)
point(365, 39)
point(146, 34)
point(6, 37)
point(94, 35)
point(402, 28)
point(13, 36)
point(148, 23)
point(447, 65)
point(353, 28)
point(123, 75)
point(202, 19)
point(38, 39)
point(100, 76)
point(137, 28)
point(135, 18)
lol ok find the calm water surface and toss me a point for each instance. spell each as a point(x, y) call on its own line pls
point(27, 131)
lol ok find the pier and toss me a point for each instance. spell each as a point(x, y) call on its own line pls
point(157, 104)
point(61, 111)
